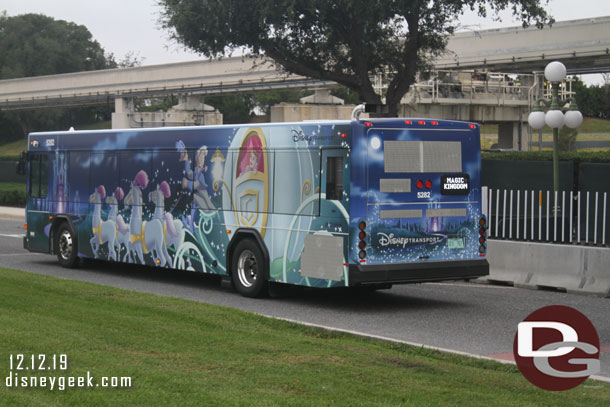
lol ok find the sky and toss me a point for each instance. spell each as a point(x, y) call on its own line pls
point(124, 26)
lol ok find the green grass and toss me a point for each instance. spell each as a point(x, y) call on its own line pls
point(10, 151)
point(183, 353)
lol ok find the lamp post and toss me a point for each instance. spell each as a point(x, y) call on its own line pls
point(555, 73)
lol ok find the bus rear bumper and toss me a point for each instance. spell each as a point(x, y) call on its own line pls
point(403, 273)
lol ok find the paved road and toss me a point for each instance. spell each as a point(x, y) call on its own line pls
point(473, 318)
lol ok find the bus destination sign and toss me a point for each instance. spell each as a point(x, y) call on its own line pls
point(455, 184)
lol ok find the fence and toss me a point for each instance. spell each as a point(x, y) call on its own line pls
point(564, 217)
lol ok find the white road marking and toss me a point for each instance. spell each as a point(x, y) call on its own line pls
point(21, 254)
point(478, 285)
point(12, 235)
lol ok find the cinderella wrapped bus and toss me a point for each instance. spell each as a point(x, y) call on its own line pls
point(353, 203)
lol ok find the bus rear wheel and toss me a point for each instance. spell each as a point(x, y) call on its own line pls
point(248, 269)
point(66, 246)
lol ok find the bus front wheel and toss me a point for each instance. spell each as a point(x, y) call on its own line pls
point(66, 246)
point(248, 269)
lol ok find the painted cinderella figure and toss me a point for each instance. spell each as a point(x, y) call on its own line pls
point(195, 181)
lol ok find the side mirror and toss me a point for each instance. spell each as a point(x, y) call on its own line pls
point(21, 163)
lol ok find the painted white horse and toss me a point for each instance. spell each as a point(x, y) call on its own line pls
point(122, 229)
point(136, 226)
point(103, 231)
point(173, 229)
point(154, 235)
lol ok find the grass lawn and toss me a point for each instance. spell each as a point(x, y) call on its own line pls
point(184, 353)
point(11, 151)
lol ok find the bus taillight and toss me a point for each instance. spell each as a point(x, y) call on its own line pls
point(428, 184)
point(421, 122)
point(419, 184)
point(483, 236)
point(409, 122)
point(362, 243)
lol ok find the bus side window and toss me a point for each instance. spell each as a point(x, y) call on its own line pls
point(334, 178)
point(39, 176)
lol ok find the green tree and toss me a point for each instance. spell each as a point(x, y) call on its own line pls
point(33, 45)
point(346, 41)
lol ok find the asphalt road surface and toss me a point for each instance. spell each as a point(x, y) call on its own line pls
point(473, 318)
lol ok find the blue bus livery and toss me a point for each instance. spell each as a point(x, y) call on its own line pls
point(325, 204)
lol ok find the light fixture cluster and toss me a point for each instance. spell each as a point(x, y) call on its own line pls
point(555, 72)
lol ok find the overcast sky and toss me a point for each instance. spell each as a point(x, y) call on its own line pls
point(123, 26)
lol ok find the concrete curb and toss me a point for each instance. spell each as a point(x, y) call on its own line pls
point(7, 212)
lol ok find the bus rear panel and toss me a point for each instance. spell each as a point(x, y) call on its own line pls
point(415, 212)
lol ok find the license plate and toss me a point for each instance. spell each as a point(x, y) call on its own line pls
point(455, 243)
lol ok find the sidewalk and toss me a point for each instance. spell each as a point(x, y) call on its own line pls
point(7, 212)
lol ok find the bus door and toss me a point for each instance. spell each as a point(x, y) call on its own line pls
point(420, 205)
point(37, 208)
point(325, 247)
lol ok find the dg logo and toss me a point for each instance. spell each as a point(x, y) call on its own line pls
point(556, 348)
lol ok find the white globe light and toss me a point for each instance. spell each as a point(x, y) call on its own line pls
point(554, 119)
point(536, 120)
point(573, 118)
point(555, 71)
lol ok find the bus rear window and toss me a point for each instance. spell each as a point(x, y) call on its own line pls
point(422, 156)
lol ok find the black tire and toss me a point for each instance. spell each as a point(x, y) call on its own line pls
point(248, 269)
point(66, 246)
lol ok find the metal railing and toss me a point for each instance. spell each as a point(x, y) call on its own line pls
point(473, 87)
point(564, 217)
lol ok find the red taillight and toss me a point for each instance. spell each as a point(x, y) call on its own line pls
point(409, 122)
point(482, 231)
point(434, 123)
point(482, 240)
point(362, 244)
point(419, 184)
point(428, 184)
point(368, 124)
point(472, 126)
point(421, 122)
point(343, 135)
point(362, 235)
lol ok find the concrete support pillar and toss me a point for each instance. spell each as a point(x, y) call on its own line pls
point(123, 110)
point(511, 136)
